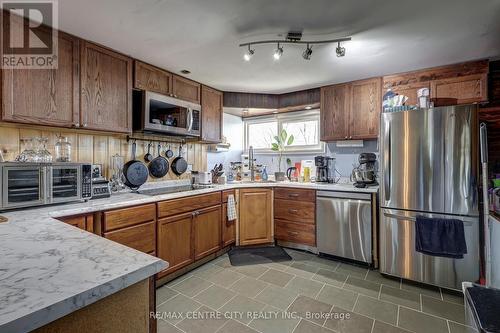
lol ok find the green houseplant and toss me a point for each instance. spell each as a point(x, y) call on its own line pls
point(281, 141)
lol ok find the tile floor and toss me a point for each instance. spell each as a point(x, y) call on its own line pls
point(308, 294)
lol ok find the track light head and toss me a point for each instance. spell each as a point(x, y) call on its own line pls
point(340, 50)
point(307, 53)
point(278, 52)
point(248, 55)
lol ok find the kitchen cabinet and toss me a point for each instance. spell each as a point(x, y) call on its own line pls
point(211, 115)
point(207, 231)
point(186, 89)
point(351, 110)
point(295, 216)
point(256, 219)
point(150, 78)
point(228, 227)
point(460, 90)
point(334, 112)
point(134, 227)
point(84, 222)
point(175, 241)
point(45, 96)
point(106, 89)
point(410, 91)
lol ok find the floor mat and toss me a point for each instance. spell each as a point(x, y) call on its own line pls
point(241, 256)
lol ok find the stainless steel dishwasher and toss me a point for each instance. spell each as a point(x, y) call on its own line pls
point(344, 225)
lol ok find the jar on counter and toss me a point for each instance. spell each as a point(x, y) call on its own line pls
point(63, 149)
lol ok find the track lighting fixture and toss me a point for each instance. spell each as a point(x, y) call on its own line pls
point(340, 50)
point(278, 53)
point(248, 55)
point(307, 53)
point(295, 38)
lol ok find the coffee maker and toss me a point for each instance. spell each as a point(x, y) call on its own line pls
point(325, 169)
point(366, 173)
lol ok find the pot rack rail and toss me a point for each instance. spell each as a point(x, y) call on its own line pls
point(157, 138)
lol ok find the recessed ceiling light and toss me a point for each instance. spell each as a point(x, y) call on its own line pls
point(185, 71)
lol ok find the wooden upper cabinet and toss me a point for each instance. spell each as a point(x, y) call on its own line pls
point(334, 112)
point(207, 231)
point(175, 241)
point(211, 115)
point(106, 89)
point(366, 105)
point(460, 90)
point(186, 89)
point(150, 78)
point(255, 222)
point(45, 96)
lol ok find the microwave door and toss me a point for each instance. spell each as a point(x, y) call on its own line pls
point(23, 186)
point(64, 183)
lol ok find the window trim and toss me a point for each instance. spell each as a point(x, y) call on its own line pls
point(281, 118)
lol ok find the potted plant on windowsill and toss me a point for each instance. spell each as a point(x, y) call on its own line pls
point(281, 141)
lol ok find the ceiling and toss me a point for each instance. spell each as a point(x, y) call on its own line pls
point(202, 36)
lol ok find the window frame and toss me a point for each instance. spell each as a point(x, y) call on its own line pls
point(282, 118)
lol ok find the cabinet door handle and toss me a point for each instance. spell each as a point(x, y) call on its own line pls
point(345, 137)
point(350, 137)
point(76, 125)
point(294, 233)
point(293, 211)
point(293, 195)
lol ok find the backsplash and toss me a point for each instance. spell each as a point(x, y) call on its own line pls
point(96, 148)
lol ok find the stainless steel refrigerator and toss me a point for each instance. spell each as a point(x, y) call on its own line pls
point(429, 167)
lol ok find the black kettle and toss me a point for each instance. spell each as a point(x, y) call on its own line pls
point(289, 172)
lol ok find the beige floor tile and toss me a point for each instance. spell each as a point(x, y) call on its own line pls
point(214, 297)
point(337, 296)
point(330, 277)
point(165, 327)
point(251, 270)
point(299, 255)
point(376, 309)
point(453, 296)
point(248, 286)
point(324, 263)
point(356, 271)
point(206, 321)
point(363, 287)
point(304, 286)
point(243, 305)
point(275, 321)
point(420, 322)
point(178, 304)
point(223, 262)
point(280, 266)
point(310, 309)
point(344, 321)
point(276, 277)
point(451, 311)
point(400, 297)
point(276, 296)
point(207, 271)
point(191, 286)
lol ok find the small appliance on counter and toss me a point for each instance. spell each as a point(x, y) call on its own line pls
point(100, 185)
point(201, 177)
point(325, 170)
point(37, 184)
point(365, 174)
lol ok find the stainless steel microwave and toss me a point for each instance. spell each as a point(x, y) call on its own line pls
point(164, 114)
point(35, 184)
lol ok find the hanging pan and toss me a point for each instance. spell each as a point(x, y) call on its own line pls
point(158, 167)
point(179, 164)
point(135, 172)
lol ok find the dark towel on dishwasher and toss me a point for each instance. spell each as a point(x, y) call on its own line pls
point(440, 237)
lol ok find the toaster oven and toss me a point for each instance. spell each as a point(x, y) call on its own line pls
point(35, 184)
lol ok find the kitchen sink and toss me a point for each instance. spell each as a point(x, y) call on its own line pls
point(166, 190)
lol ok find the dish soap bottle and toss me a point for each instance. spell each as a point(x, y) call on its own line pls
point(264, 174)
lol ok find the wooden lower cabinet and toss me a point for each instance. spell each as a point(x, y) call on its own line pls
point(85, 222)
point(207, 231)
point(141, 237)
point(256, 219)
point(299, 233)
point(228, 228)
point(175, 242)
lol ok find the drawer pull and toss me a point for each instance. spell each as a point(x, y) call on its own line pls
point(293, 195)
point(294, 233)
point(293, 211)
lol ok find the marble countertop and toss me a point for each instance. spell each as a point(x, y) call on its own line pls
point(49, 269)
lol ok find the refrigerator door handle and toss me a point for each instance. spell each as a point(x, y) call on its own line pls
point(387, 163)
point(414, 219)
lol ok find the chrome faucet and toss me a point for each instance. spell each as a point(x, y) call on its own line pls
point(250, 163)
